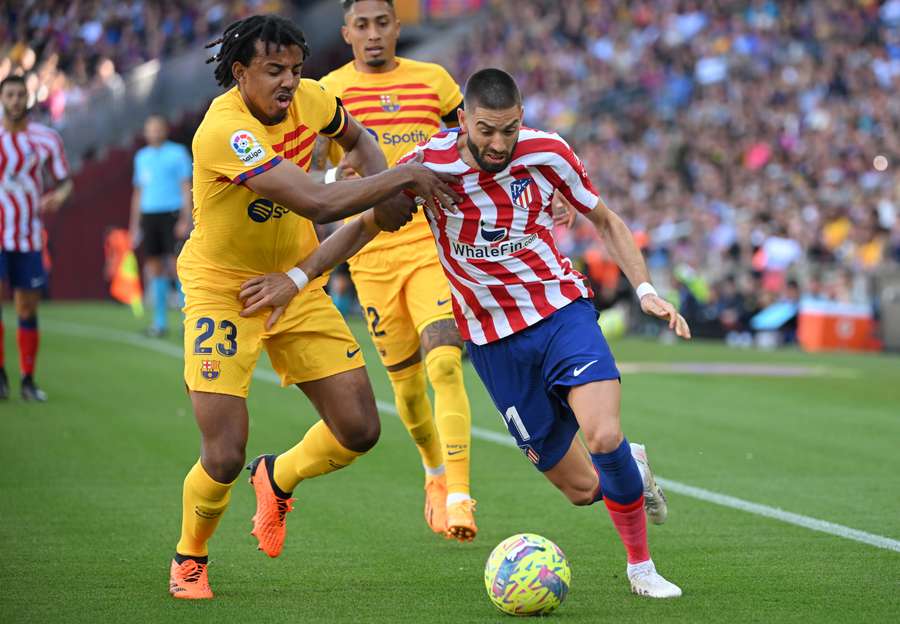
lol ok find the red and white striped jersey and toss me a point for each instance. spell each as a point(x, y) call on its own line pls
point(498, 252)
point(23, 156)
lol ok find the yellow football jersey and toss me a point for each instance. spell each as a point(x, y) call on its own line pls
point(237, 233)
point(400, 108)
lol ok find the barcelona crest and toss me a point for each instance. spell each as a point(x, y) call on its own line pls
point(390, 103)
point(210, 369)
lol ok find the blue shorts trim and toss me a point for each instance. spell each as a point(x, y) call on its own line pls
point(24, 269)
point(530, 373)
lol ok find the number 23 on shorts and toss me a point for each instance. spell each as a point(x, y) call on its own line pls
point(207, 327)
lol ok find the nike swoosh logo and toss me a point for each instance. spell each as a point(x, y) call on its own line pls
point(456, 452)
point(443, 302)
point(580, 369)
point(350, 353)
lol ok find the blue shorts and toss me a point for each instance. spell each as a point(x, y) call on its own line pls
point(529, 374)
point(24, 269)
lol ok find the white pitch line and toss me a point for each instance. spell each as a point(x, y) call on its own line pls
point(723, 500)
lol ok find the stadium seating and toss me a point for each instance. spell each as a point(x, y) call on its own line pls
point(740, 140)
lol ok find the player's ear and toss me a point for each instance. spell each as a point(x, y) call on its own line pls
point(461, 117)
point(345, 33)
point(237, 70)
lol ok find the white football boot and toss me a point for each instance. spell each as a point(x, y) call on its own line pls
point(654, 499)
point(646, 581)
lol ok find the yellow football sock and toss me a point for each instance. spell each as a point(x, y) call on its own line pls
point(411, 398)
point(451, 414)
point(318, 453)
point(203, 502)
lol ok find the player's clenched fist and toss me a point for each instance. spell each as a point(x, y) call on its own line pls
point(392, 214)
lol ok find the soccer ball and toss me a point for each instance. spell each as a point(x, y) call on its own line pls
point(527, 574)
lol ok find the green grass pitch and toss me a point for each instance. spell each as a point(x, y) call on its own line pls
point(90, 496)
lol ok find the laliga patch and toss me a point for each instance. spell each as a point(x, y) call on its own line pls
point(209, 369)
point(247, 148)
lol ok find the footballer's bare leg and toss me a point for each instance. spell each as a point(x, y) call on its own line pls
point(349, 427)
point(222, 420)
point(596, 408)
point(453, 418)
point(575, 476)
point(346, 404)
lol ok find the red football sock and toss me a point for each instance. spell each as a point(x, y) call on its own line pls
point(631, 523)
point(28, 345)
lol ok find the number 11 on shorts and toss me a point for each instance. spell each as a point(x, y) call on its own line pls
point(512, 416)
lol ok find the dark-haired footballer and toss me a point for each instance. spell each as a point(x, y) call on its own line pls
point(526, 314)
point(254, 209)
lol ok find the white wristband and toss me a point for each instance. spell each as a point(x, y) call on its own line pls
point(298, 277)
point(331, 175)
point(645, 288)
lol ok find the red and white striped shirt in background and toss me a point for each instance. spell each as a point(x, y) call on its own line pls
point(23, 157)
point(498, 253)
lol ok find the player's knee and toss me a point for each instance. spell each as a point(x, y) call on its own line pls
point(224, 464)
point(444, 368)
point(603, 439)
point(361, 435)
point(26, 310)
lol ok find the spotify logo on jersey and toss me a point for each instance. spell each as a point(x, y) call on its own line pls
point(261, 210)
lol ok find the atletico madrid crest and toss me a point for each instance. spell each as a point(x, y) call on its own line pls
point(390, 103)
point(522, 193)
point(210, 369)
point(530, 453)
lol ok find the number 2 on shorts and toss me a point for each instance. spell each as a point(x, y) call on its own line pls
point(376, 319)
point(512, 416)
point(207, 328)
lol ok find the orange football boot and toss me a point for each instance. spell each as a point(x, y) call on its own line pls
point(461, 521)
point(436, 503)
point(268, 521)
point(189, 581)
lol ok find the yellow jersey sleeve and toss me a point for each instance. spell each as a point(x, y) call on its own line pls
point(234, 146)
point(450, 95)
point(324, 110)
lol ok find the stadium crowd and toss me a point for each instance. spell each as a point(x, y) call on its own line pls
point(69, 48)
point(739, 138)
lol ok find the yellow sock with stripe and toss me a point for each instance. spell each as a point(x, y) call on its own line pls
point(204, 500)
point(318, 453)
point(452, 415)
point(411, 399)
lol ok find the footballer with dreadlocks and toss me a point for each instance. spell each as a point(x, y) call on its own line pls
point(254, 210)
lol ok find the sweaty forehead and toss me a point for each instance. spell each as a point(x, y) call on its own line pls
point(285, 55)
point(368, 9)
point(496, 118)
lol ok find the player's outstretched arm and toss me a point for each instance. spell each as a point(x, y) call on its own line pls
point(290, 186)
point(275, 290)
point(624, 251)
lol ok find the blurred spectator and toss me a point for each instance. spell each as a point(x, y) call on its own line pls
point(69, 48)
point(739, 136)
